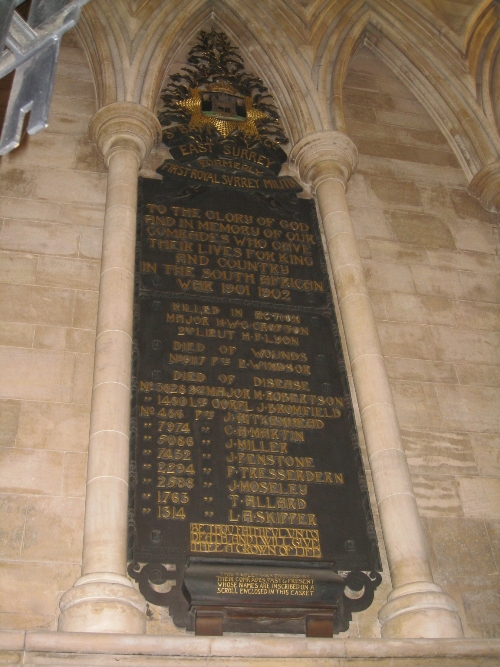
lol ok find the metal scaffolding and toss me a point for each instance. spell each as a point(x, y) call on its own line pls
point(31, 48)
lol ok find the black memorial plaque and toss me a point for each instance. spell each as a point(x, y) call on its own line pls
point(244, 444)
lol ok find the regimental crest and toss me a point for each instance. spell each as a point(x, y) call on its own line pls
point(214, 93)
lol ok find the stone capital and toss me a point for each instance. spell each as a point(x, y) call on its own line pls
point(125, 126)
point(320, 156)
point(485, 186)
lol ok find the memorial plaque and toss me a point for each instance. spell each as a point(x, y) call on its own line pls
point(245, 452)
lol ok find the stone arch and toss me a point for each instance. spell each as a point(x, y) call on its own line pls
point(129, 56)
point(483, 49)
point(446, 96)
point(288, 79)
point(103, 42)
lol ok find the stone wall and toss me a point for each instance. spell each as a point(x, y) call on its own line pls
point(52, 192)
point(430, 255)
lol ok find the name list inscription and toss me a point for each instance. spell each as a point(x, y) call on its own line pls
point(242, 412)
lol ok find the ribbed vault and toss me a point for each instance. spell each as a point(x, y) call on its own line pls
point(302, 51)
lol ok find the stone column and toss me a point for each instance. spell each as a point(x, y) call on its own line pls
point(486, 187)
point(416, 607)
point(103, 598)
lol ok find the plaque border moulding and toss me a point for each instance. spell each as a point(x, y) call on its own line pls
point(214, 101)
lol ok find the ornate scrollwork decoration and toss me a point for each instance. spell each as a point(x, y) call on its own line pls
point(357, 582)
point(156, 574)
point(214, 93)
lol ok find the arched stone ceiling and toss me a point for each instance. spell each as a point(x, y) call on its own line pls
point(458, 15)
point(302, 49)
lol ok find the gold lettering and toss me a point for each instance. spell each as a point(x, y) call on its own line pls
point(255, 540)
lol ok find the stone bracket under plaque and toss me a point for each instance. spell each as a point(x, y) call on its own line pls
point(223, 595)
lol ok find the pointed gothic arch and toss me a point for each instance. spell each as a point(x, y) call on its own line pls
point(448, 99)
point(288, 79)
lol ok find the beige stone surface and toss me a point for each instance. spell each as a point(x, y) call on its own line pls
point(33, 304)
point(72, 186)
point(88, 157)
point(53, 426)
point(45, 238)
point(401, 339)
point(37, 375)
point(44, 149)
point(477, 315)
point(421, 229)
point(487, 453)
point(28, 621)
point(417, 405)
point(85, 310)
point(369, 222)
point(397, 119)
point(391, 193)
point(480, 496)
point(51, 338)
point(462, 550)
point(17, 268)
point(484, 607)
point(54, 528)
point(28, 209)
point(12, 524)
point(82, 379)
point(80, 214)
point(493, 528)
point(90, 243)
point(440, 453)
point(73, 106)
point(9, 419)
point(390, 277)
point(452, 344)
point(75, 475)
point(378, 305)
point(402, 152)
point(420, 370)
point(51, 210)
point(438, 282)
point(132, 650)
point(485, 375)
point(31, 471)
point(74, 88)
point(66, 125)
point(418, 308)
point(466, 261)
point(397, 252)
point(17, 182)
point(16, 334)
point(469, 208)
point(64, 338)
point(472, 235)
point(470, 408)
point(67, 574)
point(61, 272)
point(437, 495)
point(481, 287)
point(28, 588)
